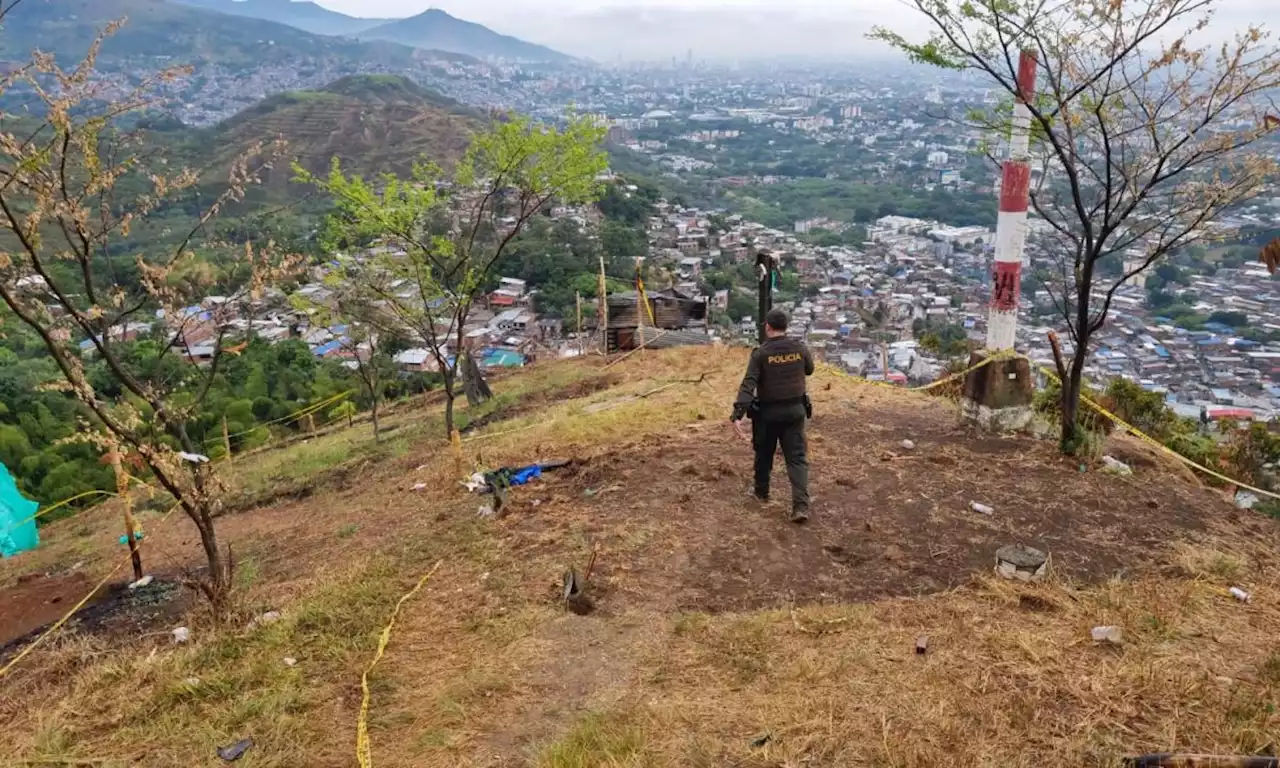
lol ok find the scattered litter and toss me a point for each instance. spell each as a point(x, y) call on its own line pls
point(420, 468)
point(485, 510)
point(235, 751)
point(1107, 634)
point(1114, 466)
point(537, 502)
point(1246, 500)
point(1021, 563)
point(981, 509)
point(142, 582)
point(922, 645)
point(908, 445)
point(1240, 594)
point(289, 661)
point(191, 682)
point(181, 635)
point(194, 458)
point(759, 741)
point(419, 486)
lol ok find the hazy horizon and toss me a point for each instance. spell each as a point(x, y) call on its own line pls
point(607, 30)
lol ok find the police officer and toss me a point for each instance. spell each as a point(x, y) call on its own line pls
point(773, 395)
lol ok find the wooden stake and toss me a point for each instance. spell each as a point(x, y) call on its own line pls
point(226, 439)
point(311, 424)
point(602, 317)
point(122, 490)
point(455, 439)
point(884, 360)
point(577, 300)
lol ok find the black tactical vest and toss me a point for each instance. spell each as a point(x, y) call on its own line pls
point(781, 371)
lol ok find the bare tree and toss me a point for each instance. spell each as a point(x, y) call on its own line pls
point(440, 238)
point(1145, 134)
point(66, 221)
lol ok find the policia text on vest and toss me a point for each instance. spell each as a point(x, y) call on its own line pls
point(773, 395)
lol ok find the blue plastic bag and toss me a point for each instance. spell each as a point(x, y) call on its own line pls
point(17, 528)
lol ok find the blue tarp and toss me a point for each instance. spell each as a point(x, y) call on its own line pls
point(17, 528)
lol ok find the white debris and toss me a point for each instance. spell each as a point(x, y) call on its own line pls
point(194, 458)
point(181, 635)
point(908, 445)
point(485, 510)
point(142, 582)
point(1246, 500)
point(1107, 634)
point(419, 486)
point(270, 617)
point(191, 682)
point(1240, 594)
point(1115, 466)
point(981, 509)
point(475, 483)
point(289, 661)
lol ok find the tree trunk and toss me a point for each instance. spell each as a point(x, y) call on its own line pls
point(217, 586)
point(374, 413)
point(1071, 386)
point(351, 421)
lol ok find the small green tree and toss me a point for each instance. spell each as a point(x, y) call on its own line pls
point(440, 236)
point(344, 410)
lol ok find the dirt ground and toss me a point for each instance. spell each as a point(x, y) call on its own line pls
point(692, 585)
point(887, 521)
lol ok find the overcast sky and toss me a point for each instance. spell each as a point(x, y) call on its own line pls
point(659, 29)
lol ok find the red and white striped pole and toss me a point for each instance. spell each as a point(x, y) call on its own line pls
point(1011, 226)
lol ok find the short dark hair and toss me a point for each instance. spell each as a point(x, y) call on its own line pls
point(776, 319)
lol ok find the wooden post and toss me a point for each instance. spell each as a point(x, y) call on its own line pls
point(455, 440)
point(311, 423)
point(226, 439)
point(764, 290)
point(602, 316)
point(577, 300)
point(122, 490)
point(884, 360)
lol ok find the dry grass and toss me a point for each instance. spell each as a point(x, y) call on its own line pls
point(485, 669)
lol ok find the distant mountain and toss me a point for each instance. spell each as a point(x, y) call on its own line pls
point(304, 15)
point(180, 33)
point(372, 123)
point(438, 30)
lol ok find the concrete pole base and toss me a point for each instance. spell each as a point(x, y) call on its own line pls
point(997, 396)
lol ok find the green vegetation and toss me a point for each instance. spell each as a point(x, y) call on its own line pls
point(781, 205)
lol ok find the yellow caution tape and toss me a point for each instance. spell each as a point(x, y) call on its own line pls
point(364, 751)
point(290, 417)
point(42, 512)
point(1156, 443)
point(76, 608)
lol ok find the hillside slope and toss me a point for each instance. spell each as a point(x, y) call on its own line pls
point(436, 29)
point(372, 123)
point(167, 30)
point(306, 16)
point(721, 634)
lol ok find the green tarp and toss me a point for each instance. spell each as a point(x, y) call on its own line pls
point(17, 528)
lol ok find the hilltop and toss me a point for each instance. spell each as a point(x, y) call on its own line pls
point(436, 29)
point(306, 16)
point(372, 123)
point(721, 634)
point(158, 29)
